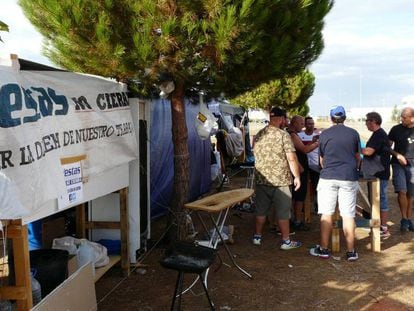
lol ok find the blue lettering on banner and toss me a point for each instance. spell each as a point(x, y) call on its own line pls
point(73, 181)
point(31, 105)
point(72, 197)
point(42, 102)
point(77, 188)
point(71, 171)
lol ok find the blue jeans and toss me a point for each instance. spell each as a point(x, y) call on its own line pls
point(383, 195)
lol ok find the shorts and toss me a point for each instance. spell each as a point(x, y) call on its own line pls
point(403, 178)
point(300, 194)
point(268, 197)
point(331, 191)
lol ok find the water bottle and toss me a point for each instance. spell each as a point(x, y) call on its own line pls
point(36, 289)
point(190, 226)
point(5, 305)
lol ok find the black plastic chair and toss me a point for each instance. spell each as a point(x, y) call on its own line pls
point(186, 257)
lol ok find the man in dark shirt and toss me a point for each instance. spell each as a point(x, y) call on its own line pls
point(339, 156)
point(402, 137)
point(378, 144)
point(296, 125)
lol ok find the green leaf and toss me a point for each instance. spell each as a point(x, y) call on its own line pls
point(213, 45)
point(3, 27)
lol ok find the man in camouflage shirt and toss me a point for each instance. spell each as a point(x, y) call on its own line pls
point(276, 161)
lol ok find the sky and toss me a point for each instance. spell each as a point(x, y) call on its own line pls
point(367, 60)
point(368, 55)
point(22, 39)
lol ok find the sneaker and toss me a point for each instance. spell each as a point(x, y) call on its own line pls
point(410, 225)
point(290, 244)
point(257, 240)
point(404, 225)
point(351, 256)
point(320, 252)
point(300, 226)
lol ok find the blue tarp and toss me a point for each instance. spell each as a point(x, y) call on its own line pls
point(35, 234)
point(162, 165)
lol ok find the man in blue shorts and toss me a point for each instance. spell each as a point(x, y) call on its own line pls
point(339, 154)
point(402, 137)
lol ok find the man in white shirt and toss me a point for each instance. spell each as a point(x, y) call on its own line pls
point(309, 136)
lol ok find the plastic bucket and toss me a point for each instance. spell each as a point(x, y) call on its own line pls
point(51, 266)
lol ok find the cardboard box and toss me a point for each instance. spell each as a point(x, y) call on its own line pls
point(75, 294)
point(72, 265)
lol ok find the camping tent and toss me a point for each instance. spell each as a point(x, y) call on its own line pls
point(162, 158)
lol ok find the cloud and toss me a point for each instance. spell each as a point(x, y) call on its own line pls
point(367, 57)
point(368, 50)
point(22, 38)
point(376, 44)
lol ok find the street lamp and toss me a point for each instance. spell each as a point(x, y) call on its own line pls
point(360, 88)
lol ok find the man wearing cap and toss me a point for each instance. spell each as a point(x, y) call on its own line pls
point(276, 161)
point(339, 155)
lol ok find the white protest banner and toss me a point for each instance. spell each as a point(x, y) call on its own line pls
point(49, 115)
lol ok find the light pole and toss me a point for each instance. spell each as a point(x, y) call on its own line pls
point(360, 88)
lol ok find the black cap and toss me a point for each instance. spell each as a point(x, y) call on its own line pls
point(277, 112)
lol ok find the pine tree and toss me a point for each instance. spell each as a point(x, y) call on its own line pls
point(3, 27)
point(290, 93)
point(210, 45)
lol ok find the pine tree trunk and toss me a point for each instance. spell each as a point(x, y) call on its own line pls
point(181, 162)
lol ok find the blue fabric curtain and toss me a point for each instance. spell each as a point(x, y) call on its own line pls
point(162, 163)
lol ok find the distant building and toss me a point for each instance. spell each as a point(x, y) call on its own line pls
point(322, 118)
point(358, 113)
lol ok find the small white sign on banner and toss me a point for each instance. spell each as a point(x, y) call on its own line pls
point(72, 173)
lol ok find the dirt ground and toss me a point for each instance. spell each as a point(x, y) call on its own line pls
point(282, 280)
